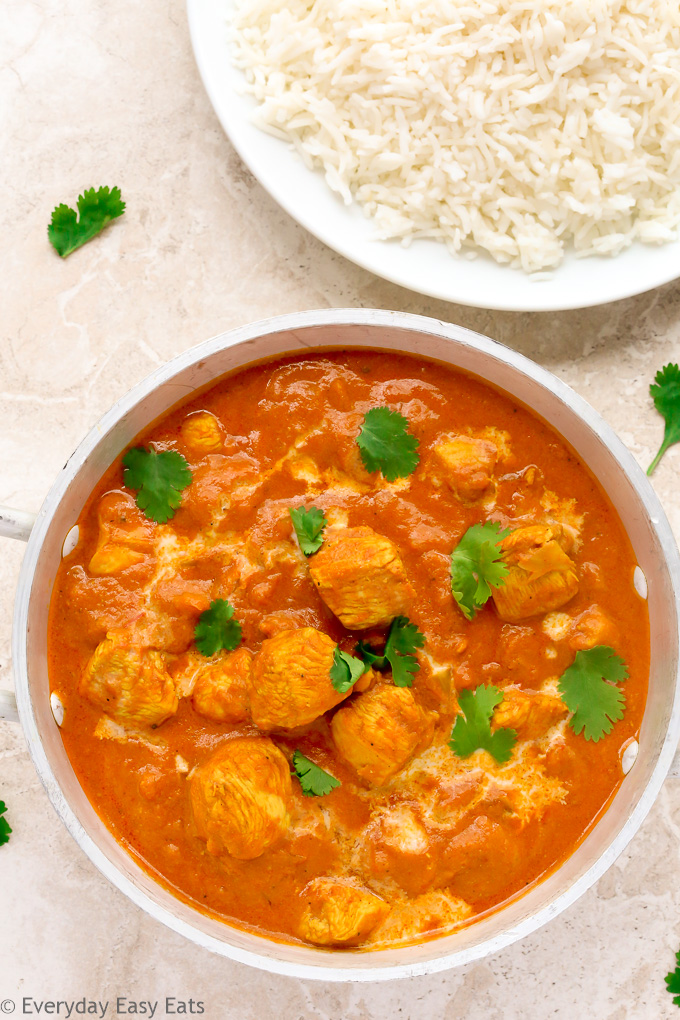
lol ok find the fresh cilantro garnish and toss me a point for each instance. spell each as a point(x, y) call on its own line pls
point(587, 689)
point(315, 781)
point(345, 671)
point(158, 479)
point(4, 825)
point(67, 232)
point(386, 444)
point(217, 629)
point(472, 730)
point(309, 526)
point(477, 567)
point(666, 393)
point(402, 640)
point(673, 981)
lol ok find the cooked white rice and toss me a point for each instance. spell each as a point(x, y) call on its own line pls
point(520, 127)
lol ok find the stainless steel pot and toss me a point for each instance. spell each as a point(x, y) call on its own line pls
point(598, 447)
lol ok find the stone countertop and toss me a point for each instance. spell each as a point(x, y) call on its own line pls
point(95, 92)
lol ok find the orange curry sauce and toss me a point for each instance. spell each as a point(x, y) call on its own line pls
point(476, 832)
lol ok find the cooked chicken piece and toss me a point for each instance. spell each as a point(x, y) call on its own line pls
point(166, 632)
point(221, 687)
point(564, 516)
point(360, 577)
point(481, 860)
point(402, 830)
point(592, 627)
point(530, 714)
point(435, 911)
point(125, 535)
point(202, 433)
point(290, 684)
point(379, 731)
point(468, 464)
point(338, 913)
point(240, 797)
point(177, 595)
point(215, 483)
point(128, 682)
point(400, 847)
point(456, 794)
point(541, 576)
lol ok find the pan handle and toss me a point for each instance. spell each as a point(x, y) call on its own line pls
point(16, 523)
point(8, 707)
point(13, 524)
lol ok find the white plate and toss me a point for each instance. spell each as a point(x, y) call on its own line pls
point(425, 266)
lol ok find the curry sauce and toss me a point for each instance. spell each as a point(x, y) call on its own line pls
point(197, 780)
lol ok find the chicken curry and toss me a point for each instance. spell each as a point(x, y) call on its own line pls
point(349, 649)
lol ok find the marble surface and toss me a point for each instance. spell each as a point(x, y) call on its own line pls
point(94, 92)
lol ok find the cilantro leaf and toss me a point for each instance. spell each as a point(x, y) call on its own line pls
point(216, 629)
point(314, 780)
point(309, 526)
point(386, 444)
point(665, 391)
point(4, 825)
point(345, 671)
point(587, 689)
point(673, 981)
point(477, 567)
point(67, 232)
point(472, 730)
point(158, 479)
point(402, 640)
point(370, 658)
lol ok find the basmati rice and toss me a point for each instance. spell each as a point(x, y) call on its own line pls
point(518, 127)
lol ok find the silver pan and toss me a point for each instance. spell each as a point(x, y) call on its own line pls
point(600, 450)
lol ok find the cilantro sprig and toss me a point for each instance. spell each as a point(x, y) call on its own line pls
point(665, 391)
point(386, 445)
point(345, 671)
point(588, 690)
point(158, 479)
point(402, 641)
point(4, 825)
point(69, 229)
point(217, 629)
point(309, 527)
point(477, 566)
point(314, 780)
point(472, 729)
point(673, 981)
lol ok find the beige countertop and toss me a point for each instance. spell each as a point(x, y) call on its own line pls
point(99, 93)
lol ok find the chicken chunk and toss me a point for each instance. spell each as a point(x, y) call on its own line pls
point(240, 797)
point(338, 913)
point(201, 433)
point(541, 576)
point(468, 463)
point(360, 577)
point(592, 627)
point(379, 731)
point(480, 861)
point(221, 687)
point(290, 684)
point(214, 485)
point(125, 535)
point(128, 682)
point(400, 847)
point(433, 912)
point(530, 714)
